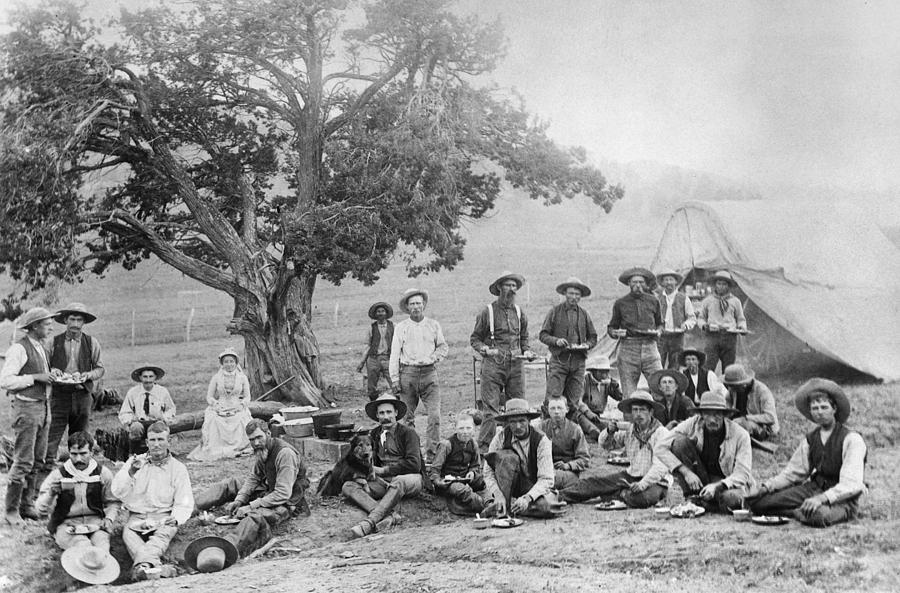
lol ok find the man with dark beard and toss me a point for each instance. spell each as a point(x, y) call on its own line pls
point(636, 323)
point(274, 491)
point(500, 334)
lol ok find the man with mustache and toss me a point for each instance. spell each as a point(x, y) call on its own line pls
point(599, 387)
point(636, 323)
point(700, 379)
point(500, 334)
point(398, 467)
point(721, 315)
point(78, 495)
point(377, 355)
point(568, 445)
point(678, 317)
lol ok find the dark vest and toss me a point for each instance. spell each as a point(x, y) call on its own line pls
point(376, 337)
point(679, 411)
point(66, 499)
point(271, 472)
point(59, 359)
point(461, 457)
point(32, 366)
point(694, 392)
point(677, 308)
point(534, 438)
point(561, 439)
point(825, 460)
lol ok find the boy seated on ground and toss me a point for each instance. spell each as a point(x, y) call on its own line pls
point(459, 457)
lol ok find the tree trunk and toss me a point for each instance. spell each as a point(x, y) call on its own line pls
point(194, 420)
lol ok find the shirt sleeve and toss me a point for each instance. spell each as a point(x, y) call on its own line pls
point(122, 483)
point(715, 384)
point(796, 470)
point(46, 499)
point(10, 379)
point(169, 413)
point(524, 338)
point(183, 499)
point(111, 504)
point(126, 412)
point(481, 332)
point(612, 441)
point(690, 316)
point(657, 314)
point(441, 349)
point(435, 470)
point(490, 481)
point(850, 482)
point(741, 474)
point(591, 331)
point(582, 459)
point(545, 472)
point(663, 458)
point(211, 398)
point(412, 455)
point(97, 370)
point(394, 364)
point(546, 337)
point(739, 314)
point(767, 414)
point(703, 314)
point(615, 322)
point(251, 483)
point(286, 468)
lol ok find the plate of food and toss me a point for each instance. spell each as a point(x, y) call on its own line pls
point(661, 510)
point(69, 379)
point(143, 526)
point(506, 522)
point(737, 331)
point(611, 505)
point(769, 520)
point(227, 520)
point(687, 510)
point(82, 529)
point(617, 460)
point(578, 347)
point(646, 332)
point(451, 479)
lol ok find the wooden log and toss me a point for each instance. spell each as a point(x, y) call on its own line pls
point(194, 420)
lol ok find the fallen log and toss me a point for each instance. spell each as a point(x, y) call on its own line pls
point(194, 420)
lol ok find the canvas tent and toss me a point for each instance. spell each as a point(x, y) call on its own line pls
point(821, 276)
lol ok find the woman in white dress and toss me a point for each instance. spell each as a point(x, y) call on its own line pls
point(227, 414)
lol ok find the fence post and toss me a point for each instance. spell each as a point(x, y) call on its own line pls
point(337, 307)
point(132, 328)
point(187, 335)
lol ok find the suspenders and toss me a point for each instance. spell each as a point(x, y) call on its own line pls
point(490, 312)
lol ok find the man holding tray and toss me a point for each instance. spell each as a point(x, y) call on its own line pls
point(635, 323)
point(722, 316)
point(678, 316)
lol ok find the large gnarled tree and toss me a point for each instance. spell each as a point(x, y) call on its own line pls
point(258, 146)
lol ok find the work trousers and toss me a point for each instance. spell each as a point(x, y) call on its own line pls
point(378, 498)
point(787, 502)
point(563, 478)
point(670, 347)
point(147, 549)
point(635, 356)
point(687, 453)
point(377, 366)
point(419, 384)
point(514, 482)
point(614, 485)
point(500, 381)
point(720, 347)
point(68, 409)
point(566, 378)
point(31, 422)
point(66, 540)
point(463, 499)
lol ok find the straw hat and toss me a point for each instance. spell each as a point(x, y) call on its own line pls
point(410, 293)
point(136, 373)
point(90, 564)
point(229, 352)
point(517, 407)
point(76, 309)
point(32, 315)
point(630, 273)
point(713, 401)
point(669, 272)
point(601, 363)
point(385, 398)
point(701, 356)
point(817, 386)
point(722, 275)
point(736, 374)
point(210, 554)
point(507, 275)
point(679, 377)
point(639, 397)
point(374, 308)
point(573, 282)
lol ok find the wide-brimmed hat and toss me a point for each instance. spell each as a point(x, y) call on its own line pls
point(507, 275)
point(90, 564)
point(700, 354)
point(630, 273)
point(136, 373)
point(517, 407)
point(713, 401)
point(374, 308)
point(230, 351)
point(817, 386)
point(573, 282)
point(679, 377)
point(639, 397)
point(76, 309)
point(736, 374)
point(669, 272)
point(33, 315)
point(600, 363)
point(385, 398)
point(722, 275)
point(210, 553)
point(410, 293)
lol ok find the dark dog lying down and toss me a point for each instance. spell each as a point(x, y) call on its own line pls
point(356, 464)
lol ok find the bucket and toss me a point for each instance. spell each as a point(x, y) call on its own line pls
point(323, 419)
point(300, 428)
point(295, 412)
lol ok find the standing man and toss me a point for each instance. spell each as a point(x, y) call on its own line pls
point(678, 317)
point(700, 379)
point(145, 404)
point(77, 354)
point(500, 334)
point(753, 401)
point(722, 316)
point(417, 345)
point(377, 356)
point(569, 333)
point(568, 445)
point(26, 378)
point(636, 322)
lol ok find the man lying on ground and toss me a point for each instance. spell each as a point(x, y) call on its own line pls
point(459, 457)
point(569, 447)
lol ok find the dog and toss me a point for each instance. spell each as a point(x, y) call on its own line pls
point(356, 464)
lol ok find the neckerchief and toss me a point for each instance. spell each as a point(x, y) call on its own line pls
point(80, 475)
point(643, 436)
point(723, 303)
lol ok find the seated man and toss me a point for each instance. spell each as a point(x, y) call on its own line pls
point(644, 483)
point(667, 387)
point(459, 457)
point(273, 492)
point(822, 483)
point(518, 468)
point(598, 388)
point(569, 447)
point(155, 490)
point(77, 494)
point(753, 401)
point(397, 470)
point(699, 378)
point(145, 404)
point(713, 454)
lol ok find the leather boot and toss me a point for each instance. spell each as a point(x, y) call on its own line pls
point(26, 504)
point(391, 520)
point(360, 498)
point(13, 496)
point(472, 501)
point(387, 503)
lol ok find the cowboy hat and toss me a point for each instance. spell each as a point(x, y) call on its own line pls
point(639, 397)
point(722, 275)
point(517, 407)
point(626, 276)
point(656, 377)
point(210, 553)
point(736, 374)
point(817, 386)
point(701, 356)
point(601, 363)
point(573, 282)
point(136, 373)
point(73, 309)
point(31, 316)
point(90, 564)
point(669, 272)
point(385, 398)
point(410, 293)
point(713, 401)
point(507, 275)
point(374, 309)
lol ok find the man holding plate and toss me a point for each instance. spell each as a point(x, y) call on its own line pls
point(678, 317)
point(635, 323)
point(721, 315)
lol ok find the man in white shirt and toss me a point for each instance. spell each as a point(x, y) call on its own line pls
point(26, 378)
point(678, 316)
point(144, 404)
point(418, 344)
point(823, 480)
